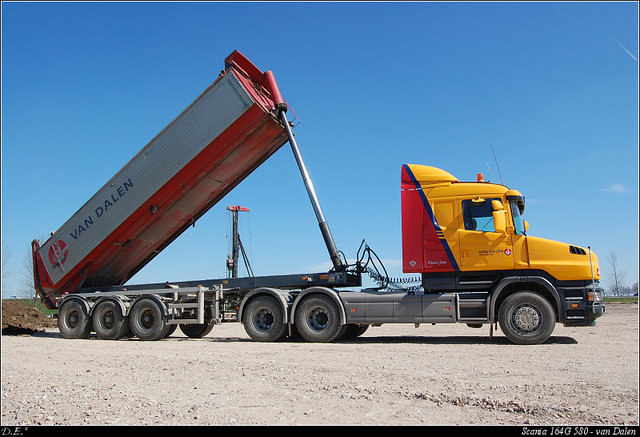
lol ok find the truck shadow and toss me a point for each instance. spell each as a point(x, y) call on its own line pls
point(396, 340)
point(400, 339)
point(451, 340)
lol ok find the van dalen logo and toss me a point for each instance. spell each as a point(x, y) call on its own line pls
point(58, 253)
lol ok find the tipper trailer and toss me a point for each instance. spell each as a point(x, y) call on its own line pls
point(467, 240)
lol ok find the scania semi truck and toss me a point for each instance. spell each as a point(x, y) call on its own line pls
point(467, 241)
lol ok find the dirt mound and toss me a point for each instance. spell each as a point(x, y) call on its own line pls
point(20, 318)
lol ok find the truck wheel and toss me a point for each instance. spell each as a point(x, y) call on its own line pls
point(318, 319)
point(73, 321)
point(526, 318)
point(262, 319)
point(108, 321)
point(147, 320)
point(354, 330)
point(196, 331)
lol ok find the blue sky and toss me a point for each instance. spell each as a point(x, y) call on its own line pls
point(552, 86)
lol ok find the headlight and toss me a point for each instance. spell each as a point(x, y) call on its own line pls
point(595, 296)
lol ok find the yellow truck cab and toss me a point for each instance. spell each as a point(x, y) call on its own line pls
point(470, 238)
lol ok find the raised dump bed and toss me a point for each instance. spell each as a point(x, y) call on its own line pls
point(214, 144)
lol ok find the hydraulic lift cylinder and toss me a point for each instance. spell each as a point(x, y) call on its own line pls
point(324, 226)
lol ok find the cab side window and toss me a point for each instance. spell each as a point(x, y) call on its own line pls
point(478, 216)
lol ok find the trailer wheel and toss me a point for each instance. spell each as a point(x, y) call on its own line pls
point(196, 331)
point(147, 320)
point(172, 329)
point(108, 321)
point(73, 321)
point(526, 318)
point(318, 319)
point(263, 319)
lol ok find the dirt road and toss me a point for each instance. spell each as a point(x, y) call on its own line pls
point(394, 374)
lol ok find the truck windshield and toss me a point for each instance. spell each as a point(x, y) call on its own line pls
point(517, 218)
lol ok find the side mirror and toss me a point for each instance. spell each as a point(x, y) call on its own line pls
point(499, 220)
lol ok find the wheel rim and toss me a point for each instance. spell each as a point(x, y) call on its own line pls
point(264, 319)
point(318, 319)
point(107, 319)
point(72, 319)
point(526, 318)
point(147, 319)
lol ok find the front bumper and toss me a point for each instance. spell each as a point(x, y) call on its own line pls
point(594, 311)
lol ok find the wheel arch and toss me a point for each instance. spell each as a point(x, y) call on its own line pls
point(84, 302)
point(320, 290)
point(84, 324)
point(157, 299)
point(115, 299)
point(535, 284)
point(282, 296)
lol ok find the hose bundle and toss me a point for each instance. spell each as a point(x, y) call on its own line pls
point(384, 282)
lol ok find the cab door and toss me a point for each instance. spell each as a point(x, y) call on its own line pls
point(481, 246)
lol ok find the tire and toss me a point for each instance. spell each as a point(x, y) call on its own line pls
point(354, 331)
point(196, 331)
point(108, 321)
point(295, 334)
point(147, 320)
point(263, 319)
point(526, 318)
point(341, 332)
point(73, 320)
point(318, 319)
point(172, 329)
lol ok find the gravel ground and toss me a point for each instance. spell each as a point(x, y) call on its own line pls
point(394, 374)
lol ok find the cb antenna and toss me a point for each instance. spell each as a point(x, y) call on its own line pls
point(496, 159)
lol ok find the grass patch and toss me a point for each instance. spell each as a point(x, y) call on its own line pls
point(36, 303)
point(625, 299)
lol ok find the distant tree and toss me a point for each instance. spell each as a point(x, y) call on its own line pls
point(625, 291)
point(616, 276)
point(26, 269)
point(6, 256)
point(634, 288)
